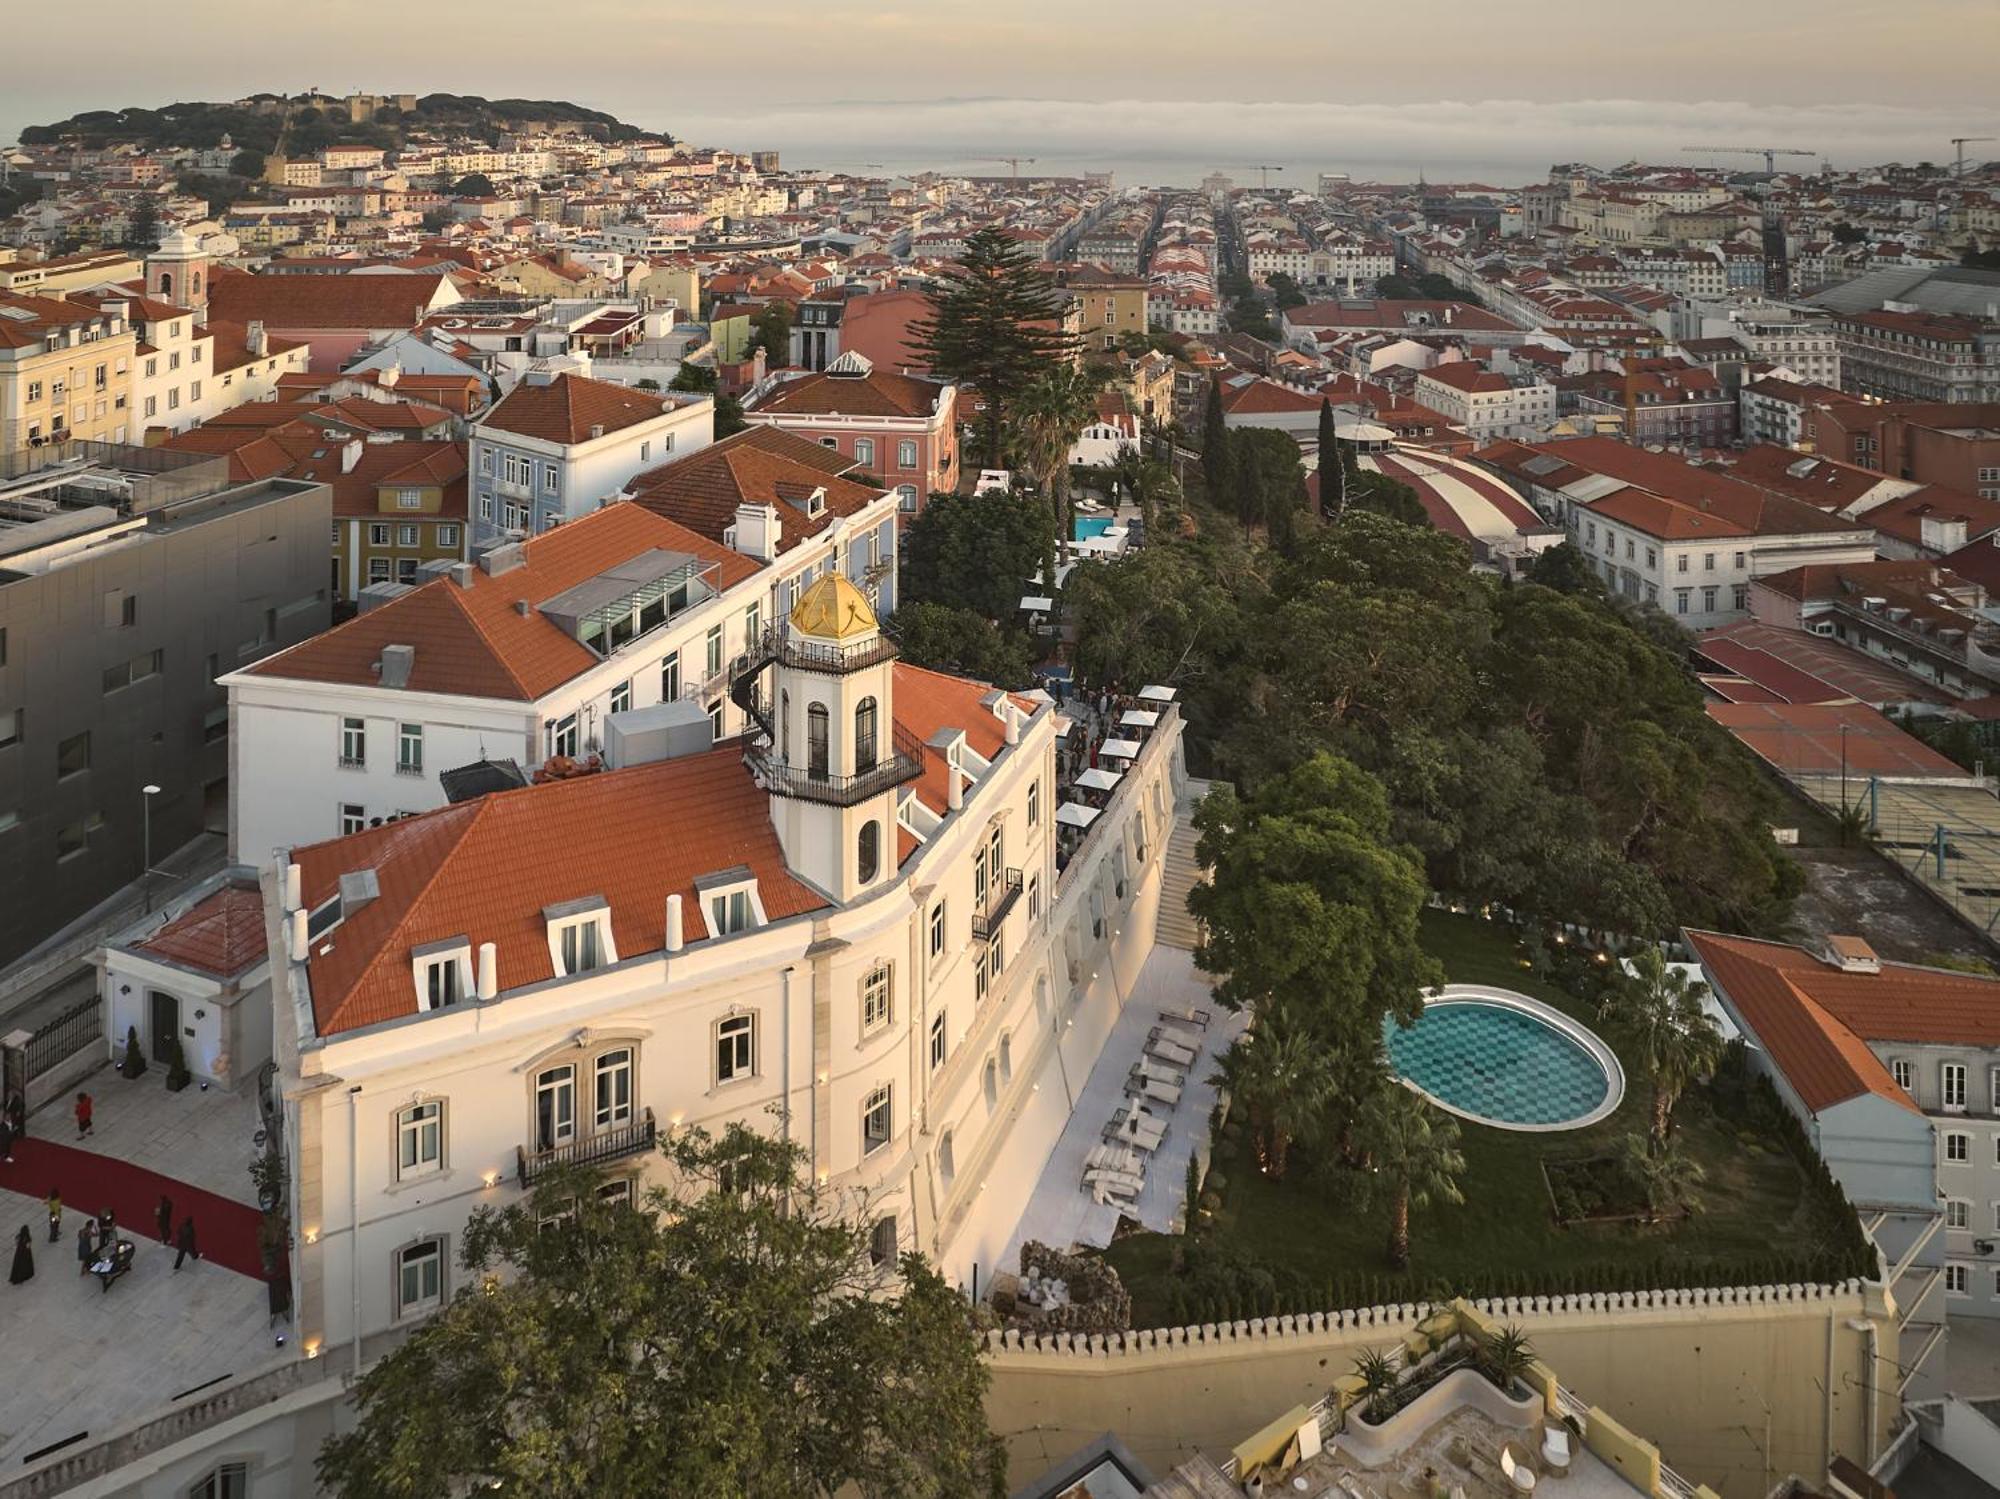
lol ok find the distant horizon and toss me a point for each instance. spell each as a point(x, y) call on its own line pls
point(1503, 143)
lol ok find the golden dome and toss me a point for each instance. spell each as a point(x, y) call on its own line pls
point(834, 609)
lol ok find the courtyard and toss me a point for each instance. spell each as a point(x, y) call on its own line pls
point(1310, 1241)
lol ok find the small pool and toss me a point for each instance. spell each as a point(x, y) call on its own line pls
point(1500, 1058)
point(1089, 527)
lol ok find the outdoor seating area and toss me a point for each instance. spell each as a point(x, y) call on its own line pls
point(1100, 739)
point(1115, 1172)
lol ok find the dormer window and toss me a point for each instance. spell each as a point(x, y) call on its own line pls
point(443, 972)
point(729, 901)
point(580, 936)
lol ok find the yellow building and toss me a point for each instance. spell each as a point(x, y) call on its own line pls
point(65, 273)
point(666, 281)
point(546, 276)
point(396, 506)
point(65, 371)
point(1108, 306)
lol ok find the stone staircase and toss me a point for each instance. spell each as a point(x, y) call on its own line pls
point(1180, 873)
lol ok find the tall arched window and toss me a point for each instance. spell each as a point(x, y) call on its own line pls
point(166, 286)
point(869, 852)
point(816, 740)
point(864, 736)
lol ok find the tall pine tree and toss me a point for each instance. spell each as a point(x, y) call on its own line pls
point(996, 325)
point(1332, 491)
point(1217, 470)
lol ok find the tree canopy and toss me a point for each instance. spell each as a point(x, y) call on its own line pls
point(962, 642)
point(709, 1342)
point(995, 324)
point(975, 552)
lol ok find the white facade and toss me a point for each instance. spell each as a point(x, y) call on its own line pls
point(296, 778)
point(522, 485)
point(1523, 411)
point(914, 1060)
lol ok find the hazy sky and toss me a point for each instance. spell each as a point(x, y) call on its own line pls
point(1305, 82)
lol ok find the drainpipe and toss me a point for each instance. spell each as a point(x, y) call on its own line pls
point(354, 1215)
point(785, 1052)
point(1869, 1384)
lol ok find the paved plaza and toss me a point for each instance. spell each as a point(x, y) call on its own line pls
point(95, 1359)
point(1060, 1211)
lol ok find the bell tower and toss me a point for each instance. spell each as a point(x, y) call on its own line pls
point(837, 759)
point(177, 272)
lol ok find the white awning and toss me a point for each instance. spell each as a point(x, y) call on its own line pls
point(1041, 603)
point(1100, 780)
point(1138, 718)
point(1076, 815)
point(1157, 694)
point(1120, 749)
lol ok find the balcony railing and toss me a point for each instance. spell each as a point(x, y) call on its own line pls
point(904, 763)
point(813, 655)
point(986, 924)
point(588, 1150)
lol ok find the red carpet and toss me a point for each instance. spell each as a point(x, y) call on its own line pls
point(225, 1232)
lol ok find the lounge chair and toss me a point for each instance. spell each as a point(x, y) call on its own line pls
point(1123, 1181)
point(1137, 1128)
point(1159, 1072)
point(1179, 1035)
point(1109, 1157)
point(1151, 1087)
point(1519, 1474)
point(1186, 1015)
point(1555, 1449)
point(1172, 1052)
point(1109, 1197)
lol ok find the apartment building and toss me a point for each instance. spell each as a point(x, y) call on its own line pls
point(1111, 307)
point(1486, 405)
point(901, 428)
point(1685, 539)
point(559, 445)
point(1808, 346)
point(854, 929)
point(1899, 355)
point(129, 580)
point(1931, 442)
point(65, 371)
point(527, 655)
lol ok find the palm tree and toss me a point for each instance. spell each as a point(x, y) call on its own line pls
point(1284, 1078)
point(1148, 480)
point(1379, 1379)
point(1677, 1039)
point(1415, 1154)
point(1666, 1175)
point(1506, 1356)
point(1052, 413)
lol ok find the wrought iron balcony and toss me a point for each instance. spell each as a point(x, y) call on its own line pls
point(905, 762)
point(588, 1150)
point(986, 924)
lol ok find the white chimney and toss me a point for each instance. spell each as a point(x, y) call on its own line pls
point(299, 940)
point(1011, 717)
point(350, 455)
point(489, 970)
point(255, 341)
point(758, 531)
point(294, 883)
point(954, 795)
point(674, 932)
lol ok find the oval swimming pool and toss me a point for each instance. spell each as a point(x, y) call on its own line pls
point(1500, 1058)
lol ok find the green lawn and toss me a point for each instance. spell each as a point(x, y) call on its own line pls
point(1299, 1244)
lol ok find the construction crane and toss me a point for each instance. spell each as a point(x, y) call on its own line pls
point(1264, 181)
point(1961, 141)
point(1769, 153)
point(1012, 161)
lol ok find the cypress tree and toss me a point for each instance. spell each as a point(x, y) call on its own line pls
point(1216, 471)
point(1332, 471)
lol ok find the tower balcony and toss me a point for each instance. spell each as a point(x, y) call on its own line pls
point(904, 763)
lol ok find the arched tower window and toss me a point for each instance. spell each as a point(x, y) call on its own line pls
point(166, 286)
point(864, 736)
point(869, 851)
point(817, 762)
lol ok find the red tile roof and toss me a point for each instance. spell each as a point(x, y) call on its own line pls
point(221, 935)
point(568, 407)
point(878, 393)
point(486, 869)
point(1817, 1020)
point(928, 702)
point(760, 465)
point(474, 642)
point(344, 302)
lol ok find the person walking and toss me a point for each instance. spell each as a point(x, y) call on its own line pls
point(83, 1110)
point(54, 1205)
point(163, 1216)
point(86, 1246)
point(185, 1243)
point(107, 1227)
point(17, 1115)
point(6, 1141)
point(24, 1258)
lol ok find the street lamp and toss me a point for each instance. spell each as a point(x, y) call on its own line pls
point(147, 793)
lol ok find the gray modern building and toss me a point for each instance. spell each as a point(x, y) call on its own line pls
point(1894, 1070)
point(130, 578)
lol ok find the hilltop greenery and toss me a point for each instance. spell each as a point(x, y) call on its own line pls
point(300, 129)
